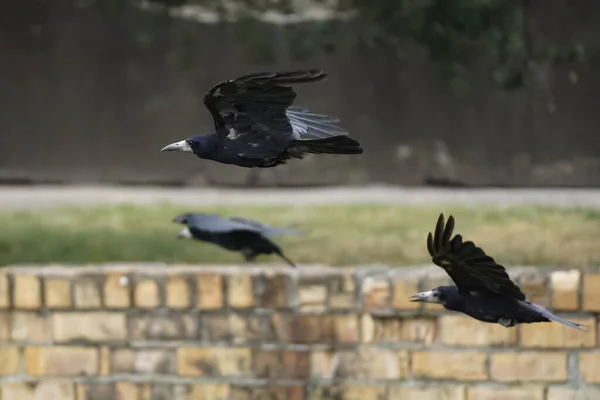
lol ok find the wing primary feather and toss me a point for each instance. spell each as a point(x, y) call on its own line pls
point(448, 230)
point(439, 230)
point(430, 248)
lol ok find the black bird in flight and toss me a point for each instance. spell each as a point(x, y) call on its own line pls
point(236, 234)
point(257, 127)
point(483, 289)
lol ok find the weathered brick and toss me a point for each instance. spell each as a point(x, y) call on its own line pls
point(529, 366)
point(591, 294)
point(58, 293)
point(178, 292)
point(96, 391)
point(214, 361)
point(403, 289)
point(376, 292)
point(565, 289)
point(210, 291)
point(88, 292)
point(367, 362)
point(238, 329)
point(271, 393)
point(27, 293)
point(505, 393)
point(312, 297)
point(116, 291)
point(9, 360)
point(301, 328)
point(459, 330)
point(555, 335)
point(104, 361)
point(589, 367)
point(132, 391)
point(346, 328)
point(534, 285)
point(61, 361)
point(360, 392)
point(147, 294)
point(445, 392)
point(581, 393)
point(30, 327)
point(217, 327)
point(464, 366)
point(281, 364)
point(342, 292)
point(171, 326)
point(320, 364)
point(89, 326)
point(142, 361)
point(209, 391)
point(398, 329)
point(4, 291)
point(239, 290)
point(41, 390)
point(273, 291)
point(251, 328)
point(5, 325)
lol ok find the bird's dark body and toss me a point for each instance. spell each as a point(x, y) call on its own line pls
point(250, 244)
point(489, 307)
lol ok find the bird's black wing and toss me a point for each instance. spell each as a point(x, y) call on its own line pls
point(217, 224)
point(469, 267)
point(266, 229)
point(250, 111)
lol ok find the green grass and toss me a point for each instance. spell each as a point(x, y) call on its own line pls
point(334, 235)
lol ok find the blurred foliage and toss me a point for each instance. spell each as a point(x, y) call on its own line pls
point(455, 33)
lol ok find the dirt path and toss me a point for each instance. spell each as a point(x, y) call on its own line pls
point(49, 196)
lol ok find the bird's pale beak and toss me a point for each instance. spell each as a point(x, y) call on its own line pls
point(184, 234)
point(182, 145)
point(425, 297)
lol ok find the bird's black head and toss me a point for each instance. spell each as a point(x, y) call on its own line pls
point(183, 219)
point(194, 144)
point(436, 295)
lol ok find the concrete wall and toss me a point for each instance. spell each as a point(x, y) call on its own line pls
point(134, 332)
point(92, 97)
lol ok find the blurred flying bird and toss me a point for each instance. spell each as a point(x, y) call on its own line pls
point(236, 234)
point(257, 127)
point(483, 289)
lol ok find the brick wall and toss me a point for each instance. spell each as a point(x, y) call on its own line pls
point(136, 332)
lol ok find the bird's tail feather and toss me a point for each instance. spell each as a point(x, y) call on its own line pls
point(556, 318)
point(280, 254)
point(332, 145)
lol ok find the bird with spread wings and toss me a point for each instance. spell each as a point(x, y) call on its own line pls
point(256, 125)
point(483, 289)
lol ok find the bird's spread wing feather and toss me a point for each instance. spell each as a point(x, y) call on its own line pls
point(471, 269)
point(266, 229)
point(308, 125)
point(217, 224)
point(250, 111)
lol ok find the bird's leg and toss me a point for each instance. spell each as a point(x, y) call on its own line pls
point(507, 322)
point(249, 255)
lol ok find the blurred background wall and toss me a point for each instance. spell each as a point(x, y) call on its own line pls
point(91, 93)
